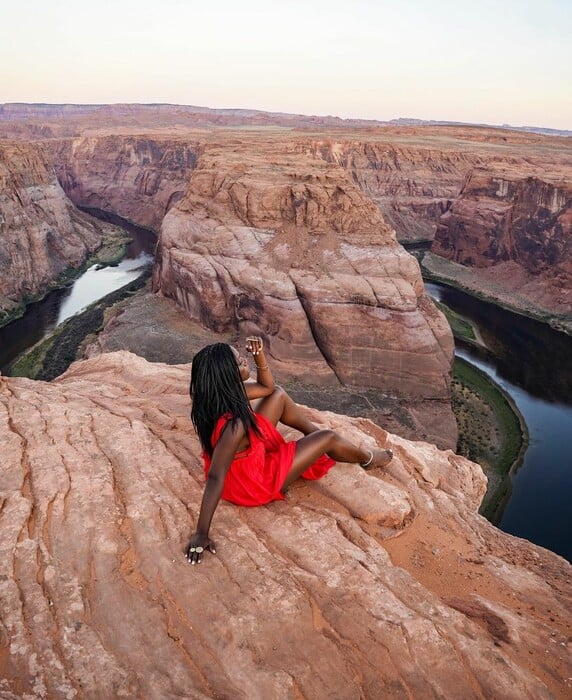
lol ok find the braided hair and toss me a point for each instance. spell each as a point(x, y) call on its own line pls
point(217, 388)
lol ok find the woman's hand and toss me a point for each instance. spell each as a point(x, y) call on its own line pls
point(264, 384)
point(254, 345)
point(196, 547)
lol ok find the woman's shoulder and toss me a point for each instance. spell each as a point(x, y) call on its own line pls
point(220, 424)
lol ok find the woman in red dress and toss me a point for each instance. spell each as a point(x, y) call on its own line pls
point(246, 460)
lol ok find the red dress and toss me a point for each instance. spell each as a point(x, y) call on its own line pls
point(257, 474)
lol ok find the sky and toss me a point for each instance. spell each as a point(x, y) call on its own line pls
point(501, 62)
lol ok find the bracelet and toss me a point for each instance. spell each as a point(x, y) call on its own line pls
point(261, 367)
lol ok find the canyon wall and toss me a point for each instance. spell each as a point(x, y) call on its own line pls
point(414, 174)
point(505, 217)
point(135, 177)
point(411, 183)
point(270, 241)
point(378, 584)
point(41, 232)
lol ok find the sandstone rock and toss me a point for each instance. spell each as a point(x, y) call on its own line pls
point(135, 177)
point(502, 217)
point(41, 232)
point(266, 241)
point(405, 592)
point(154, 328)
point(411, 180)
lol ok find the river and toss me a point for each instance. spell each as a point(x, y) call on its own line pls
point(41, 318)
point(532, 363)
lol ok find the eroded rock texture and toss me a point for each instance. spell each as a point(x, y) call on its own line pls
point(502, 217)
point(411, 182)
point(41, 232)
point(272, 242)
point(135, 177)
point(382, 584)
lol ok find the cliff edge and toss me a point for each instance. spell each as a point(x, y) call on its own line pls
point(383, 584)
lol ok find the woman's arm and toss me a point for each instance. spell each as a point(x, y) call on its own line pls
point(220, 464)
point(264, 384)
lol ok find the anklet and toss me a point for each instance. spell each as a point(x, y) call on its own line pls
point(369, 461)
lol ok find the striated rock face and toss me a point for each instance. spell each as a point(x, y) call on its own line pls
point(270, 242)
point(365, 584)
point(502, 217)
point(41, 232)
point(135, 177)
point(412, 183)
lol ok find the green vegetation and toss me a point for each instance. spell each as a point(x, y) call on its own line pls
point(459, 325)
point(10, 310)
point(491, 430)
point(53, 356)
point(112, 250)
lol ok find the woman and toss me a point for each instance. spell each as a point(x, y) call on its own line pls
point(246, 460)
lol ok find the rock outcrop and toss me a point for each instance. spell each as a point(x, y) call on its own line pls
point(270, 242)
point(41, 232)
point(504, 217)
point(136, 177)
point(383, 584)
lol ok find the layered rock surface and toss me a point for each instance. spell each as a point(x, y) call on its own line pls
point(414, 174)
point(268, 241)
point(135, 177)
point(504, 217)
point(411, 182)
point(41, 232)
point(382, 584)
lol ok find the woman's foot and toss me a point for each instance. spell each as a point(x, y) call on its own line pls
point(377, 458)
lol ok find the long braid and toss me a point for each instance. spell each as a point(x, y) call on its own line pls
point(216, 388)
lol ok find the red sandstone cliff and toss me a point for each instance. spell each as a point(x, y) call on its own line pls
point(41, 232)
point(504, 217)
point(313, 266)
point(136, 177)
point(411, 181)
point(269, 241)
point(382, 584)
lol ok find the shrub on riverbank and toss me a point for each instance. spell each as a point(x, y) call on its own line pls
point(461, 327)
point(491, 431)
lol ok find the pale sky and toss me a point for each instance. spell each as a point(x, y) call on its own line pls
point(501, 61)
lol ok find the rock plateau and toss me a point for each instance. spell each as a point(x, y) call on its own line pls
point(382, 584)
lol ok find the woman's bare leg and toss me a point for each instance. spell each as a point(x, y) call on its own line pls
point(309, 448)
point(279, 407)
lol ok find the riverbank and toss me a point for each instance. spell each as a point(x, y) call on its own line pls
point(477, 284)
point(492, 431)
point(111, 251)
point(52, 356)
